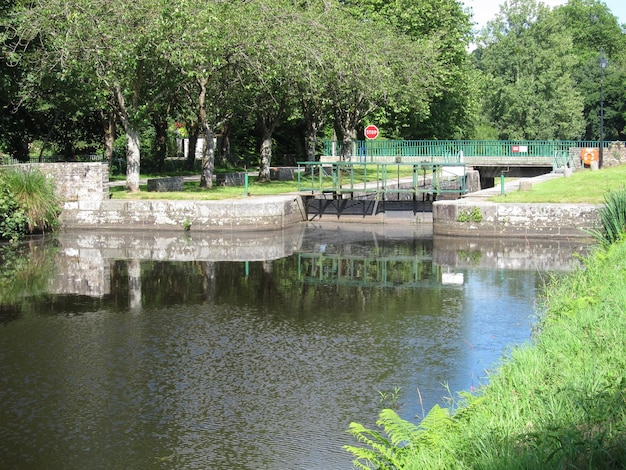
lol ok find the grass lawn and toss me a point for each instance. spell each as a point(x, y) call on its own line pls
point(192, 190)
point(585, 186)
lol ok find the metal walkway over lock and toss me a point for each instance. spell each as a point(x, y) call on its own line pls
point(362, 179)
point(429, 166)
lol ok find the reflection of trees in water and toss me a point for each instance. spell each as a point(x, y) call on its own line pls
point(26, 269)
point(279, 284)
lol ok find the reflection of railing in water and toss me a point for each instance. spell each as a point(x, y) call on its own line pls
point(366, 271)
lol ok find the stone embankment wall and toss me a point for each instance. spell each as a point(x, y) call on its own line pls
point(76, 181)
point(252, 213)
point(83, 190)
point(476, 218)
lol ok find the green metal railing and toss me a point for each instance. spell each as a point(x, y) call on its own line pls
point(453, 150)
point(357, 178)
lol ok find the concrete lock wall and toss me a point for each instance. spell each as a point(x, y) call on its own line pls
point(481, 218)
point(83, 190)
point(252, 213)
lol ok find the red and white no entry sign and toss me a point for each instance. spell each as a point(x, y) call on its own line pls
point(371, 132)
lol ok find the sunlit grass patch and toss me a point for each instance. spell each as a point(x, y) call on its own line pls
point(584, 187)
point(193, 191)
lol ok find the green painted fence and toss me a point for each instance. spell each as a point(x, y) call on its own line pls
point(452, 150)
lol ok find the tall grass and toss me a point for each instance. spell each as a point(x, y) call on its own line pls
point(612, 218)
point(556, 403)
point(34, 194)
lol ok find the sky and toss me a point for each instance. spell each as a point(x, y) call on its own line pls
point(485, 10)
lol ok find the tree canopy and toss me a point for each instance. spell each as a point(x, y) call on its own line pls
point(267, 81)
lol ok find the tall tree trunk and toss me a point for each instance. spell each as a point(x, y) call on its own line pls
point(192, 132)
point(160, 144)
point(313, 121)
point(310, 139)
point(108, 125)
point(347, 144)
point(133, 153)
point(208, 158)
point(266, 156)
point(133, 158)
point(345, 126)
point(267, 124)
point(208, 151)
point(224, 145)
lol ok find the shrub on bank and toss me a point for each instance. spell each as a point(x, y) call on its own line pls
point(557, 402)
point(27, 203)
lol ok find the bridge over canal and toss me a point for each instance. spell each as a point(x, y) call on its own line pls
point(491, 158)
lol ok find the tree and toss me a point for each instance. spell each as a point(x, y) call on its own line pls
point(366, 72)
point(593, 26)
point(110, 42)
point(263, 67)
point(527, 58)
point(451, 112)
point(199, 44)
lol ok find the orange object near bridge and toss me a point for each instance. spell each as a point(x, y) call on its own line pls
point(588, 155)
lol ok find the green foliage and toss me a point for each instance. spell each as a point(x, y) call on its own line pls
point(401, 440)
point(12, 217)
point(527, 58)
point(30, 202)
point(612, 218)
point(470, 215)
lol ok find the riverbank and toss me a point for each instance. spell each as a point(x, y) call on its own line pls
point(475, 216)
point(558, 402)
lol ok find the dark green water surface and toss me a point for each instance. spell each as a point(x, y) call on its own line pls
point(246, 351)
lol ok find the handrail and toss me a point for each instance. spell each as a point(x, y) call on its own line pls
point(368, 150)
point(357, 178)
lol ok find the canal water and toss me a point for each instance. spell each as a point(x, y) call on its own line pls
point(144, 351)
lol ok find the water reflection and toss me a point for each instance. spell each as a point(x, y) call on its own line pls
point(249, 351)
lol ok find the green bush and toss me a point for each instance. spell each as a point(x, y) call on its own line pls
point(27, 203)
point(12, 218)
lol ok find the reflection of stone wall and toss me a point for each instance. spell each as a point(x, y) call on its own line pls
point(540, 255)
point(81, 271)
point(83, 262)
point(220, 246)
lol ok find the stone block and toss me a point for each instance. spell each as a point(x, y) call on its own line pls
point(282, 173)
point(160, 185)
point(525, 185)
point(230, 179)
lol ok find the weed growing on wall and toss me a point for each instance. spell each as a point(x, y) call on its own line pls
point(473, 215)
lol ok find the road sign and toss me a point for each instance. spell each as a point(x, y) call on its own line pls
point(371, 132)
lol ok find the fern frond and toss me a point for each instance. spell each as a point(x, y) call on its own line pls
point(400, 431)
